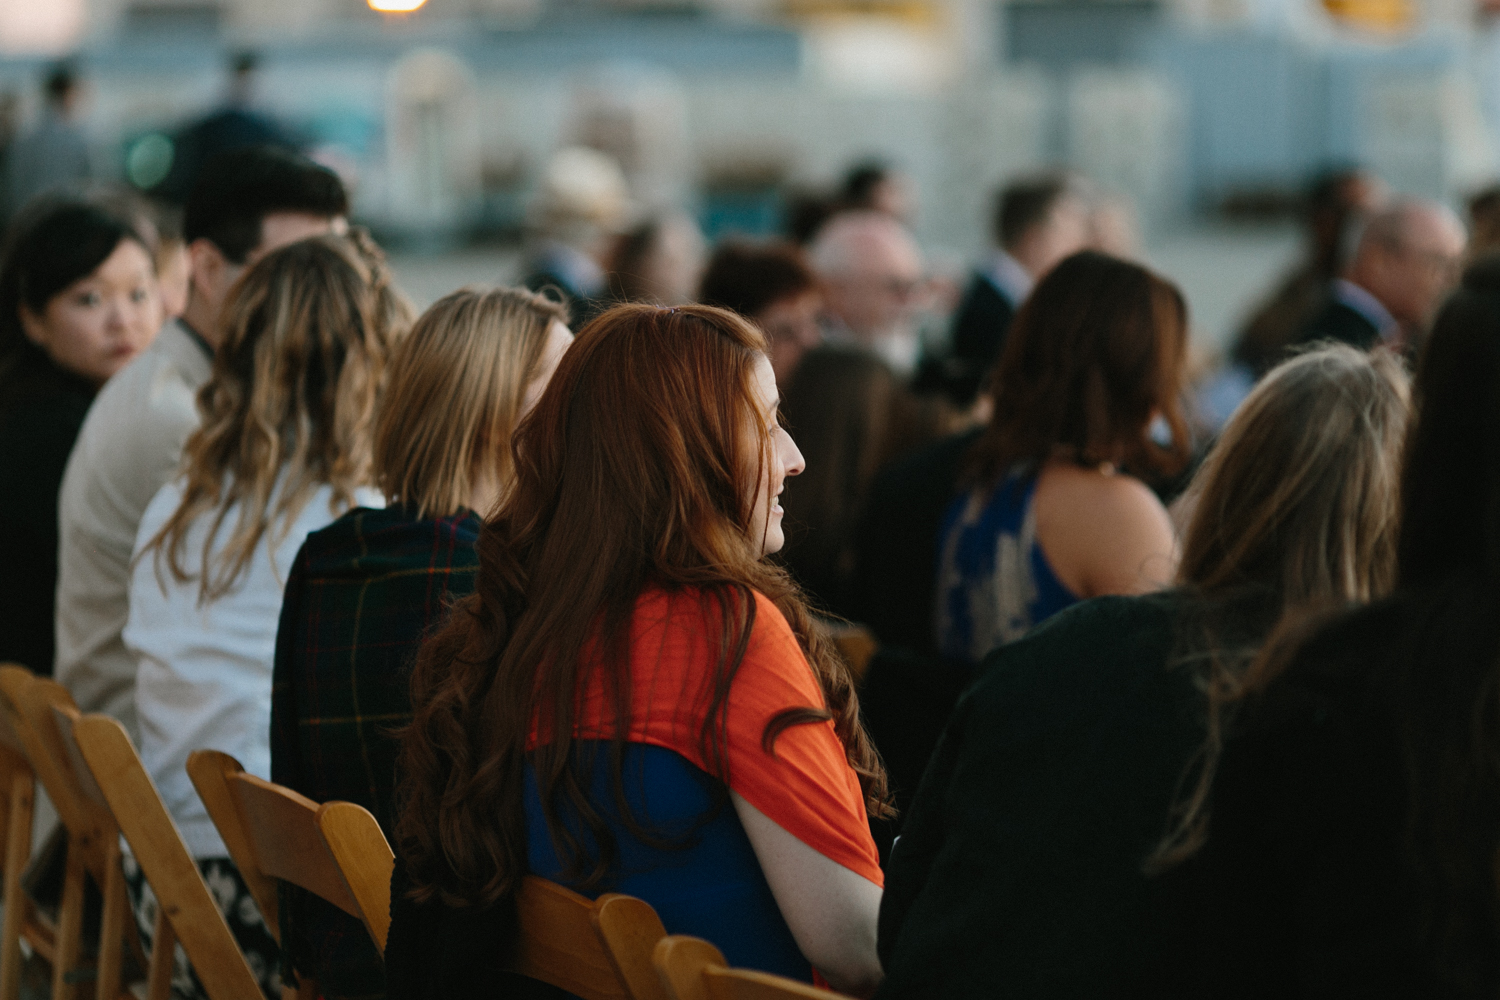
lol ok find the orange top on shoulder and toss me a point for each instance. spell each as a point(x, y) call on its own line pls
point(805, 785)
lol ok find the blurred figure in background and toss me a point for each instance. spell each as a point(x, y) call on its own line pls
point(1407, 259)
point(53, 152)
point(873, 276)
point(772, 285)
point(236, 124)
point(876, 186)
point(582, 203)
point(847, 401)
point(659, 262)
point(1116, 227)
point(161, 227)
point(1038, 221)
point(1484, 222)
point(247, 204)
point(77, 302)
point(1050, 510)
point(1335, 203)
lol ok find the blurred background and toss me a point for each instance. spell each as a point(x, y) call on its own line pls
point(1204, 120)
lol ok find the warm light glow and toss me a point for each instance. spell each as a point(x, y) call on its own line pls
point(395, 6)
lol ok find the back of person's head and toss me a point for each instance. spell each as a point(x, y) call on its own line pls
point(659, 262)
point(747, 277)
point(457, 384)
point(235, 191)
point(863, 241)
point(1027, 202)
point(1093, 356)
point(1450, 522)
point(638, 468)
point(1300, 494)
point(60, 83)
point(52, 243)
point(288, 408)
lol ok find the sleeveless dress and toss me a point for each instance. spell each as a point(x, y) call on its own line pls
point(993, 580)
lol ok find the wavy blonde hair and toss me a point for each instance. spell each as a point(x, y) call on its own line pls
point(290, 405)
point(457, 385)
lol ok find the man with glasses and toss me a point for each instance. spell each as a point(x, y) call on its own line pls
point(1407, 259)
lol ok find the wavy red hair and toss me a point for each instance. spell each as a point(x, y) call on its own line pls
point(635, 470)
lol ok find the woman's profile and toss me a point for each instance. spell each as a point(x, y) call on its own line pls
point(634, 699)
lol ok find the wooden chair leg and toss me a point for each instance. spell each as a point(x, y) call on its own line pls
point(116, 916)
point(163, 957)
point(17, 906)
point(68, 949)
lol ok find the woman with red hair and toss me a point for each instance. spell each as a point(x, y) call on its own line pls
point(634, 699)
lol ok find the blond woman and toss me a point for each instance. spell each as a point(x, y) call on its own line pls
point(283, 449)
point(366, 588)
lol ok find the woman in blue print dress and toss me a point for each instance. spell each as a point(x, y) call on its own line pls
point(1049, 509)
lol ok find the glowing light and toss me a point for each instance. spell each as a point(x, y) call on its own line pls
point(395, 6)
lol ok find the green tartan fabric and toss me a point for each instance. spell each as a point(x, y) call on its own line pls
point(361, 596)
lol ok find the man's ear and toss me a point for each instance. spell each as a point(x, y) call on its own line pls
point(33, 326)
point(207, 265)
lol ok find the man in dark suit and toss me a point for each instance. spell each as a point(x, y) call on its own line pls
point(1038, 221)
point(1406, 261)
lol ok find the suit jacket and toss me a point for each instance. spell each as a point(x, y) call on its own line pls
point(1337, 321)
point(979, 328)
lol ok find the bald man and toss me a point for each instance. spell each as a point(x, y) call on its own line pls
point(847, 402)
point(1406, 261)
point(873, 277)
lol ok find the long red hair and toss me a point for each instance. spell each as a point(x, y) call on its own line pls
point(634, 471)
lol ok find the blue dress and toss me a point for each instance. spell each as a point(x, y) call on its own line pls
point(993, 580)
point(708, 883)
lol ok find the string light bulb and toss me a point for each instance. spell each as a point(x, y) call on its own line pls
point(395, 6)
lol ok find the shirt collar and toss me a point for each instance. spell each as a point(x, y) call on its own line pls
point(1009, 278)
point(1349, 294)
point(196, 337)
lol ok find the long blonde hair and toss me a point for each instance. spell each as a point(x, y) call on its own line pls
point(1299, 500)
point(455, 394)
point(305, 334)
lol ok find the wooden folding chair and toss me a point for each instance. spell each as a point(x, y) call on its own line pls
point(93, 843)
point(271, 833)
point(693, 969)
point(110, 773)
point(17, 799)
point(595, 949)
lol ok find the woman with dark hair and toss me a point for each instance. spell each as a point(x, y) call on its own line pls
point(772, 285)
point(1051, 511)
point(1020, 867)
point(1349, 843)
point(78, 300)
point(634, 699)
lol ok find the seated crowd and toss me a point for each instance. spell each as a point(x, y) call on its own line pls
point(1182, 687)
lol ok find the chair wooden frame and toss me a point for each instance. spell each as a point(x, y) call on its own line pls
point(693, 969)
point(111, 774)
point(595, 949)
point(272, 834)
point(17, 802)
point(93, 843)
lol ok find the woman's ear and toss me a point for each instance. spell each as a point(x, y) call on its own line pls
point(33, 326)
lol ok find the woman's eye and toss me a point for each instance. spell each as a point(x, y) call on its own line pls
point(139, 295)
point(87, 298)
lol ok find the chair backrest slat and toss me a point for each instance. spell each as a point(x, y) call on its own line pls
point(283, 828)
point(364, 860)
point(102, 750)
point(595, 949)
point(693, 969)
point(559, 944)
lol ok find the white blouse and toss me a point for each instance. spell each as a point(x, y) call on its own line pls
point(205, 670)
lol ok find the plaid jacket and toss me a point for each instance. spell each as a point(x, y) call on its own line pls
point(362, 594)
